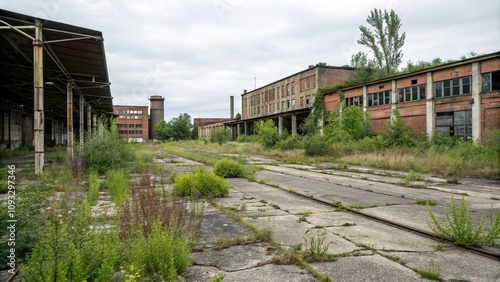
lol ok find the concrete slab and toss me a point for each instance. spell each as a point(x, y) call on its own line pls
point(215, 225)
point(287, 230)
point(454, 264)
point(270, 272)
point(366, 268)
point(234, 258)
point(382, 237)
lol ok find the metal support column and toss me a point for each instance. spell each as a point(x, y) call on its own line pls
point(69, 121)
point(81, 113)
point(38, 122)
point(94, 122)
point(280, 125)
point(89, 120)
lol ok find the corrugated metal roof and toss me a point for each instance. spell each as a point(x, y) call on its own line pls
point(70, 53)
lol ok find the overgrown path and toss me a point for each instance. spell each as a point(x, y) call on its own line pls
point(360, 249)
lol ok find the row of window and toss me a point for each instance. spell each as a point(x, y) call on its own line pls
point(129, 125)
point(130, 117)
point(129, 132)
point(283, 91)
point(132, 112)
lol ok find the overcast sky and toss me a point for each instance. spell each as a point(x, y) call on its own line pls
point(198, 53)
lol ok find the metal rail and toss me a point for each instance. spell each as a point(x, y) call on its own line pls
point(480, 251)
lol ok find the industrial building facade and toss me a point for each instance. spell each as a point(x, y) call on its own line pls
point(461, 99)
point(287, 101)
point(133, 122)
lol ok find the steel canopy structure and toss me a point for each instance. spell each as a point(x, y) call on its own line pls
point(53, 70)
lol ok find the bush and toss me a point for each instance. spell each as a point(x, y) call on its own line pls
point(290, 143)
point(228, 168)
point(457, 226)
point(220, 136)
point(351, 124)
point(201, 182)
point(398, 134)
point(267, 133)
point(316, 145)
point(243, 138)
point(105, 150)
point(68, 249)
point(162, 255)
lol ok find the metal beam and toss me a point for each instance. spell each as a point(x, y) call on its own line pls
point(38, 123)
point(81, 113)
point(69, 122)
point(89, 120)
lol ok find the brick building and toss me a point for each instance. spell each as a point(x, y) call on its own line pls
point(287, 101)
point(205, 126)
point(460, 98)
point(133, 122)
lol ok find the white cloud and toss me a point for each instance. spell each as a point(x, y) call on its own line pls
point(198, 53)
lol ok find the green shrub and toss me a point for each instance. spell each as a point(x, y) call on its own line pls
point(267, 133)
point(228, 168)
point(68, 249)
point(4, 174)
point(243, 138)
point(350, 124)
point(220, 136)
point(162, 255)
point(316, 145)
point(201, 182)
point(105, 150)
point(458, 227)
point(117, 184)
point(290, 143)
point(29, 220)
point(398, 134)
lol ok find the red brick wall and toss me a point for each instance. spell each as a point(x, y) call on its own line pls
point(406, 82)
point(379, 87)
point(457, 103)
point(450, 73)
point(490, 65)
point(356, 92)
point(379, 116)
point(490, 109)
point(144, 121)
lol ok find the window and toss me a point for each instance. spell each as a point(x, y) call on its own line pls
point(412, 93)
point(288, 104)
point(491, 81)
point(458, 124)
point(453, 87)
point(288, 89)
point(293, 88)
point(138, 132)
point(379, 99)
point(293, 103)
point(354, 101)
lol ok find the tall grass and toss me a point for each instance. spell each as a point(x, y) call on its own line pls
point(117, 184)
point(93, 187)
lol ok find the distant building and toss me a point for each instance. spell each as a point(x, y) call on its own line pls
point(461, 98)
point(205, 126)
point(157, 114)
point(133, 122)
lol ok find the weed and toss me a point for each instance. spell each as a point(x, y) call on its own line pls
point(316, 245)
point(433, 273)
point(439, 248)
point(458, 227)
point(104, 149)
point(201, 182)
point(424, 201)
point(93, 187)
point(347, 224)
point(275, 206)
point(265, 233)
point(219, 277)
point(228, 168)
point(303, 215)
point(117, 184)
point(226, 240)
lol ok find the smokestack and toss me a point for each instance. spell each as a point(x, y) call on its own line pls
point(231, 107)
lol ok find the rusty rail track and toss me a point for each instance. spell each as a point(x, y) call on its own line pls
point(477, 250)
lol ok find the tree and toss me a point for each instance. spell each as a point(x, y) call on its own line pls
point(267, 133)
point(385, 41)
point(220, 136)
point(237, 116)
point(178, 128)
